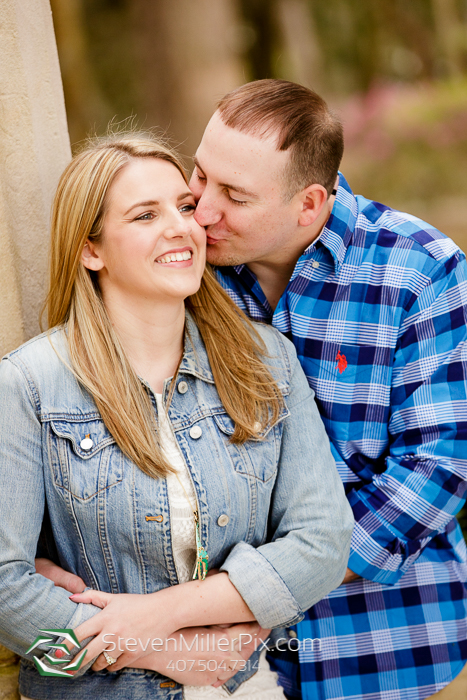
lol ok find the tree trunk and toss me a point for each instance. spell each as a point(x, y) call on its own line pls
point(303, 58)
point(86, 107)
point(189, 57)
point(450, 36)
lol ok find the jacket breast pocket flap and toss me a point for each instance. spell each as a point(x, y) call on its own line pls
point(257, 457)
point(85, 457)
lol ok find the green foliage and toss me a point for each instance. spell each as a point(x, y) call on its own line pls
point(462, 518)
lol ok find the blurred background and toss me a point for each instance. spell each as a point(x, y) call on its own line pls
point(396, 71)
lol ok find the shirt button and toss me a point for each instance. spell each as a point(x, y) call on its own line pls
point(86, 444)
point(182, 387)
point(195, 432)
point(222, 520)
point(256, 427)
point(315, 264)
point(292, 634)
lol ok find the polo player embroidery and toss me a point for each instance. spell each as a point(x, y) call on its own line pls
point(341, 362)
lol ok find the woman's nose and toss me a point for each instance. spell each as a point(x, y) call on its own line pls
point(178, 227)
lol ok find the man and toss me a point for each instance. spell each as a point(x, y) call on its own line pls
point(376, 304)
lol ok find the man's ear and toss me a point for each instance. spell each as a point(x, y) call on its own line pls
point(90, 257)
point(312, 200)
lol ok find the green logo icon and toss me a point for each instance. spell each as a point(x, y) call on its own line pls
point(50, 667)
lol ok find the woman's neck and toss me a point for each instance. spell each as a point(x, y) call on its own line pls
point(151, 335)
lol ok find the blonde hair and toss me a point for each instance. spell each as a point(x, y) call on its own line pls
point(244, 384)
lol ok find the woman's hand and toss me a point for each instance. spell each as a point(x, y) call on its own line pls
point(131, 621)
point(60, 577)
point(134, 620)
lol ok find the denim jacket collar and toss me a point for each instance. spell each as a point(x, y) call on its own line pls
point(195, 358)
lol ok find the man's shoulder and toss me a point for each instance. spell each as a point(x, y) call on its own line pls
point(392, 227)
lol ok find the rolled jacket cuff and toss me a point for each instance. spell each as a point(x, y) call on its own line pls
point(261, 587)
point(83, 612)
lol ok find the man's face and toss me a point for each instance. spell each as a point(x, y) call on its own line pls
point(239, 183)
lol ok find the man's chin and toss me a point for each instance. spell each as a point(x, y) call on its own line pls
point(222, 258)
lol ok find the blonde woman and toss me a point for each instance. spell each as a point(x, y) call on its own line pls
point(161, 433)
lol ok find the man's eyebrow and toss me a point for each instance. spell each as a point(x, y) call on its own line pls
point(196, 162)
point(154, 202)
point(235, 188)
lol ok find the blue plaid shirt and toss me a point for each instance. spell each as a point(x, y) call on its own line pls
point(377, 309)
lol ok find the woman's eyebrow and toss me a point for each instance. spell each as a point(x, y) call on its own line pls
point(151, 202)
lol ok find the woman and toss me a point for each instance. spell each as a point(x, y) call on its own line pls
point(147, 425)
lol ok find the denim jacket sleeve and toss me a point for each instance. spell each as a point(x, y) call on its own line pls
point(28, 601)
point(311, 521)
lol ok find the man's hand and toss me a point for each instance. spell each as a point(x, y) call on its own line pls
point(349, 576)
point(63, 579)
point(230, 647)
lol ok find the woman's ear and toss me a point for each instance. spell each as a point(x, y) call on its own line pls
point(90, 257)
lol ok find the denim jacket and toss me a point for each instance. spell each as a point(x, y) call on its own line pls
point(272, 511)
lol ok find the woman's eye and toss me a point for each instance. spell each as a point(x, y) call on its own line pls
point(200, 177)
point(188, 208)
point(145, 217)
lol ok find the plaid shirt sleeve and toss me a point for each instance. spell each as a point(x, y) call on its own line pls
point(423, 481)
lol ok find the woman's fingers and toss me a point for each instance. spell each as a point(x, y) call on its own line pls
point(97, 598)
point(107, 659)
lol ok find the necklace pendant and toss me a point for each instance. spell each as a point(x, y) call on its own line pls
point(201, 568)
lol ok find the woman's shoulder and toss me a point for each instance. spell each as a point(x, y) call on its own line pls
point(42, 367)
point(43, 350)
point(281, 353)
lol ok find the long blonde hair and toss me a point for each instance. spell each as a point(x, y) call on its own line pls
point(235, 350)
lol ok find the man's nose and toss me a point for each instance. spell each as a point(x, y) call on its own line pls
point(207, 213)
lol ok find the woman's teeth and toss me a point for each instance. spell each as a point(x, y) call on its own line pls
point(175, 257)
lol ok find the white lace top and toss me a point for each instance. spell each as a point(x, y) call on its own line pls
point(261, 686)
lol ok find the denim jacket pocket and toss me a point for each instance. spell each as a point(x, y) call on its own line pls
point(256, 457)
point(85, 458)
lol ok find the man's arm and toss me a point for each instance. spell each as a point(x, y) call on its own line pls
point(424, 481)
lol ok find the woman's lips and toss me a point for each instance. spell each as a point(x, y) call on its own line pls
point(176, 258)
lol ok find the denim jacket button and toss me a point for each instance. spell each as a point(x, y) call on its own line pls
point(86, 444)
point(195, 432)
point(182, 387)
point(222, 520)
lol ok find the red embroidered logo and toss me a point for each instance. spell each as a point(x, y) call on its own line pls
point(341, 362)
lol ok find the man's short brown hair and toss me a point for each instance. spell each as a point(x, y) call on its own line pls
point(302, 121)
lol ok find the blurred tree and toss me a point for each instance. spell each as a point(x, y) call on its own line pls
point(260, 17)
point(450, 36)
point(83, 98)
point(302, 54)
point(189, 55)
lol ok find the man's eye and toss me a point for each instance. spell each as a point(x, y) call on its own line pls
point(145, 217)
point(235, 201)
point(200, 177)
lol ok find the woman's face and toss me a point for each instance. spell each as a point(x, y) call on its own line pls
point(151, 247)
